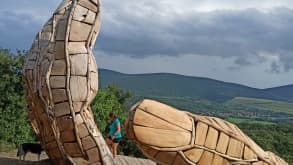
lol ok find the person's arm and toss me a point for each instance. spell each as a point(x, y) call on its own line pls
point(117, 130)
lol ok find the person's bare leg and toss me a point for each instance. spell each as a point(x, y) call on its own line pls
point(110, 144)
point(114, 148)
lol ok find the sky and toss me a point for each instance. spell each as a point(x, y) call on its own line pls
point(247, 42)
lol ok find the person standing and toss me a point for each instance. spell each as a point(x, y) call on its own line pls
point(114, 136)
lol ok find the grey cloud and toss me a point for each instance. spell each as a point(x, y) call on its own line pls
point(242, 34)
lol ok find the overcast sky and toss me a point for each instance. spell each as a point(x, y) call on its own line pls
point(248, 42)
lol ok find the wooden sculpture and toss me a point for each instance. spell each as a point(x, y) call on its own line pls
point(169, 136)
point(61, 80)
point(60, 76)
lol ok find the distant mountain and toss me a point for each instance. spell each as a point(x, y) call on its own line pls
point(174, 85)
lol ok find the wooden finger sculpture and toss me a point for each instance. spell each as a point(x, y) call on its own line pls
point(61, 80)
point(169, 136)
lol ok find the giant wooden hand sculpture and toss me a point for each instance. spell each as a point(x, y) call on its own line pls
point(60, 76)
point(170, 136)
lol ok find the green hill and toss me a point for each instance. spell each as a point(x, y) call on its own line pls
point(174, 85)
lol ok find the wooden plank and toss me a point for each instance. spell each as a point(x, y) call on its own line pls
point(162, 138)
point(223, 143)
point(89, 5)
point(88, 143)
point(206, 159)
point(201, 133)
point(148, 120)
point(82, 14)
point(77, 47)
point(77, 106)
point(80, 161)
point(61, 109)
point(72, 149)
point(59, 95)
point(82, 130)
point(78, 119)
point(166, 157)
point(194, 155)
point(61, 30)
point(148, 151)
point(218, 160)
point(79, 31)
point(94, 81)
point(235, 148)
point(212, 138)
point(79, 64)
point(179, 160)
point(249, 154)
point(65, 123)
point(57, 82)
point(168, 113)
point(59, 50)
point(78, 88)
point(258, 163)
point(68, 136)
point(58, 68)
point(94, 155)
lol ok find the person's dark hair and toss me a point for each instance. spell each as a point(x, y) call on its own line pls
point(112, 115)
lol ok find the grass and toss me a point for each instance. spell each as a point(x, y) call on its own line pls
point(263, 104)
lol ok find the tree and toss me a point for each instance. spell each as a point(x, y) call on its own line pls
point(14, 124)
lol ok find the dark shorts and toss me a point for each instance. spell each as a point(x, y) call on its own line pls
point(117, 140)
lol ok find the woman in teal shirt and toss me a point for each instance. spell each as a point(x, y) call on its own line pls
point(115, 135)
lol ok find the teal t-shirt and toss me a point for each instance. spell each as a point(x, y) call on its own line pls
point(113, 128)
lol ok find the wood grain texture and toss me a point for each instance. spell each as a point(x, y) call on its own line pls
point(216, 142)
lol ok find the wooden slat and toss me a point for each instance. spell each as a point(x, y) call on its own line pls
point(59, 50)
point(249, 154)
point(235, 148)
point(79, 64)
point(201, 133)
point(206, 159)
point(94, 81)
point(62, 109)
point(65, 123)
point(77, 47)
point(218, 160)
point(79, 31)
point(93, 154)
point(165, 157)
point(78, 88)
point(89, 5)
point(168, 113)
point(194, 154)
point(59, 95)
point(88, 142)
point(223, 143)
point(145, 119)
point(61, 31)
point(179, 160)
point(82, 131)
point(58, 68)
point(57, 81)
point(162, 138)
point(73, 149)
point(77, 106)
point(212, 138)
point(68, 136)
